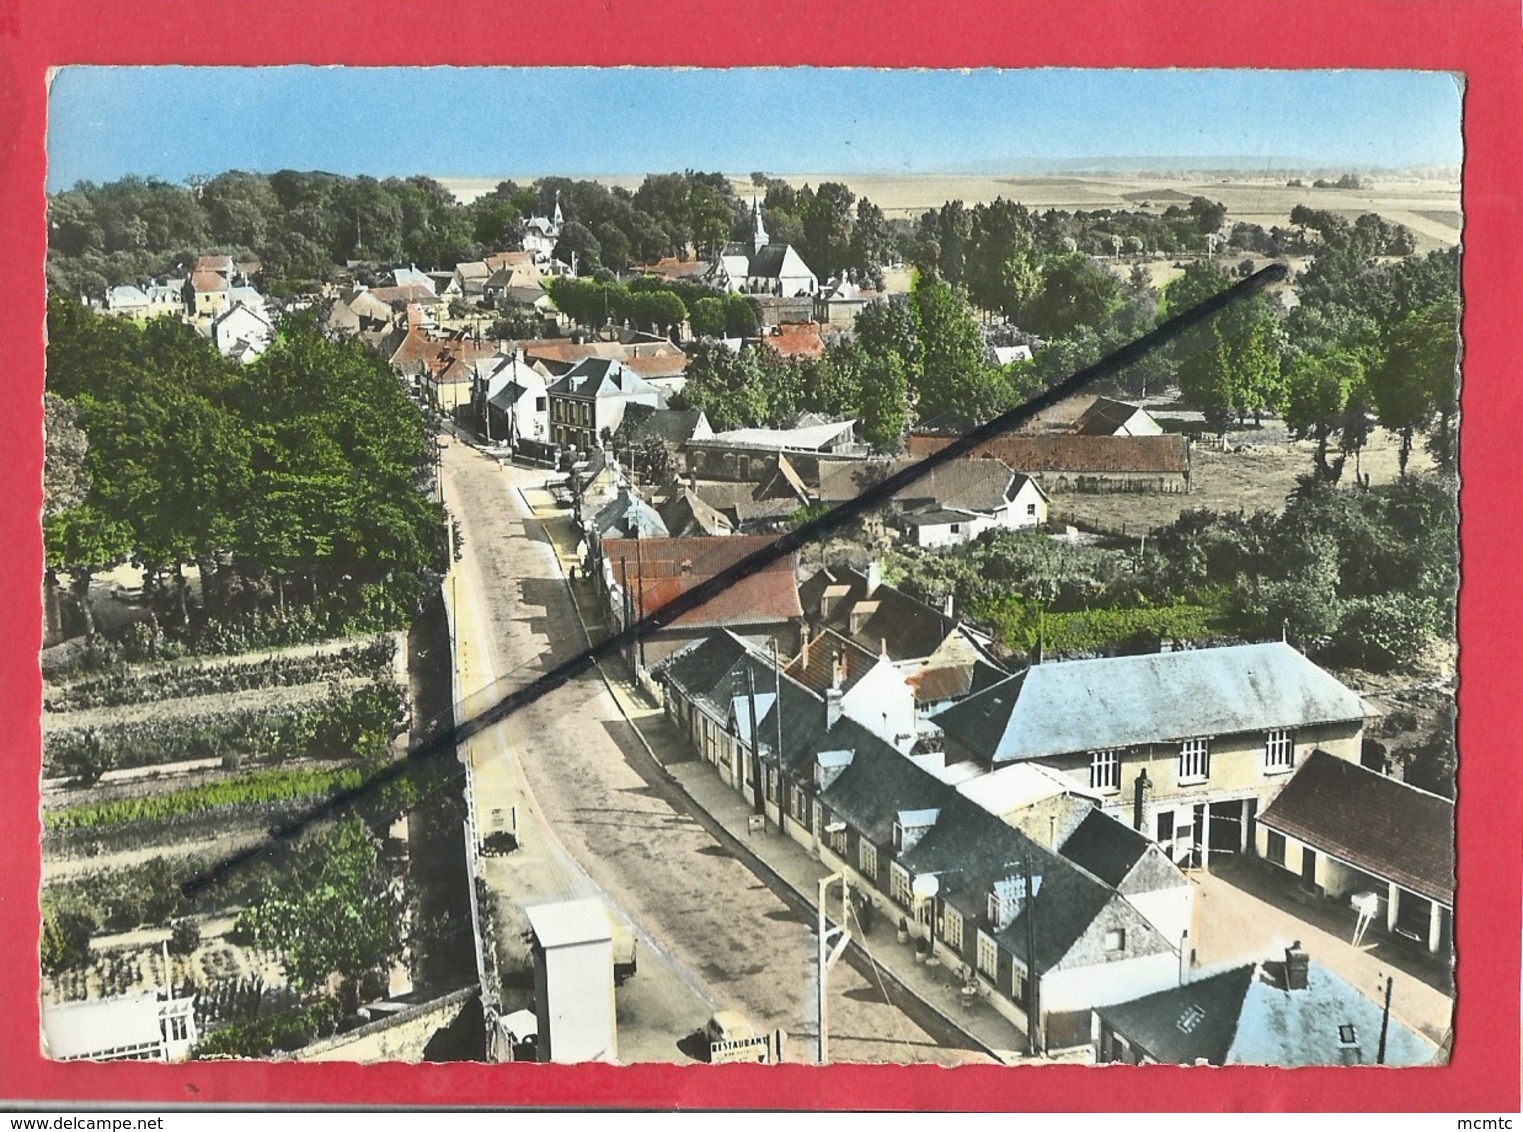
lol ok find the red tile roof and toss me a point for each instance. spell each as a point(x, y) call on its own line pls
point(670, 267)
point(933, 685)
point(407, 293)
point(1076, 454)
point(796, 340)
point(659, 569)
point(1391, 830)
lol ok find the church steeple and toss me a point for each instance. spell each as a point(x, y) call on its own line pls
point(557, 216)
point(759, 237)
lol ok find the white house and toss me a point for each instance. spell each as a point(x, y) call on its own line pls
point(515, 404)
point(242, 332)
point(934, 527)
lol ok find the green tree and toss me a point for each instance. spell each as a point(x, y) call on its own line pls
point(956, 373)
point(1075, 292)
point(1416, 378)
point(707, 317)
point(1317, 398)
point(343, 918)
point(1001, 264)
point(884, 400)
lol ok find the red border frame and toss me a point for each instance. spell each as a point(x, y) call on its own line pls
point(1478, 37)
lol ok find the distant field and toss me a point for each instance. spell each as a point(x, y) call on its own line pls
point(1257, 479)
point(1431, 209)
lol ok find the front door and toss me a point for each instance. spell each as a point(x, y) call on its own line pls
point(1308, 869)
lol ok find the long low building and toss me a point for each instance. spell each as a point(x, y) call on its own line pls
point(1072, 463)
point(1347, 832)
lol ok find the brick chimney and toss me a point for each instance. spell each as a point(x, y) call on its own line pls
point(1297, 964)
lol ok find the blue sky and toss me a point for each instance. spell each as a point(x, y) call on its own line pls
point(171, 122)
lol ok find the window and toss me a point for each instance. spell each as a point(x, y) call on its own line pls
point(867, 858)
point(1275, 849)
point(1115, 940)
point(1194, 760)
point(1021, 988)
point(539, 404)
point(899, 884)
point(956, 528)
point(1279, 751)
point(951, 928)
point(178, 1032)
point(1031, 508)
point(770, 778)
point(1105, 770)
point(988, 957)
point(1346, 1034)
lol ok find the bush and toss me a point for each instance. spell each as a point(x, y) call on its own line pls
point(260, 1037)
point(184, 937)
point(1384, 632)
point(65, 939)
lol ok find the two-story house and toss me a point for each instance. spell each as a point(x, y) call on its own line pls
point(1184, 746)
point(590, 399)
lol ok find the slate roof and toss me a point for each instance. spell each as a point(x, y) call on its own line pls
point(1385, 827)
point(1063, 707)
point(1244, 1016)
point(937, 517)
point(814, 667)
point(625, 514)
point(969, 484)
point(1077, 455)
point(685, 515)
point(1104, 846)
point(672, 426)
point(808, 438)
point(599, 377)
point(672, 566)
point(971, 849)
point(906, 628)
point(126, 296)
point(1105, 416)
point(773, 261)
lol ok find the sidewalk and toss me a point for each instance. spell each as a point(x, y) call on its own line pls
point(936, 987)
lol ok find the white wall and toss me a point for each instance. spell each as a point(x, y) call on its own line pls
point(578, 1014)
point(1170, 910)
point(1103, 984)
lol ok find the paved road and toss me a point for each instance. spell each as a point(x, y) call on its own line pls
point(614, 821)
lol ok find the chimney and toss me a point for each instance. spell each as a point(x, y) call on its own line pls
point(832, 707)
point(1297, 963)
point(1141, 789)
point(837, 670)
point(947, 605)
point(874, 577)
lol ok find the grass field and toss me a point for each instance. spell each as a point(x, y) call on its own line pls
point(1257, 478)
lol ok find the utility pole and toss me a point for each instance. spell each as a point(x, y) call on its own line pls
point(829, 954)
point(777, 717)
point(1385, 1023)
point(1033, 983)
point(756, 772)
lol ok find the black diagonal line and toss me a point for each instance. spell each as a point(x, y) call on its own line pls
point(758, 560)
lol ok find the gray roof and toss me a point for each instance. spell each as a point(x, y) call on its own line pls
point(936, 517)
point(966, 484)
point(1105, 847)
point(626, 515)
point(1091, 705)
point(674, 426)
point(1245, 1016)
point(600, 377)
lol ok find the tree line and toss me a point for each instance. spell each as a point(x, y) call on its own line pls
point(291, 483)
